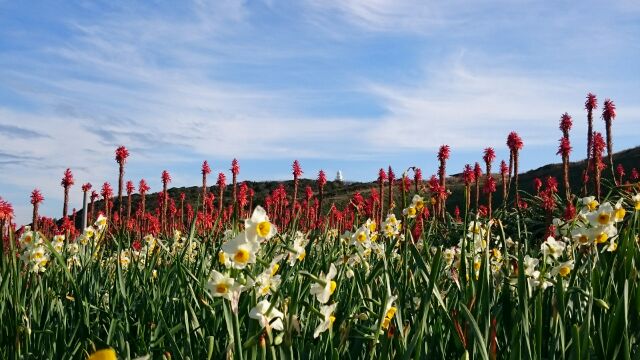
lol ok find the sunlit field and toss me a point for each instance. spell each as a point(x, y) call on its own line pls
point(548, 271)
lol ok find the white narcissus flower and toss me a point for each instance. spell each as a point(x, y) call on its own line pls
point(101, 222)
point(580, 236)
point(265, 315)
point(240, 251)
point(410, 212)
point(619, 212)
point(563, 268)
point(538, 280)
point(530, 265)
point(327, 319)
point(589, 204)
point(602, 217)
point(222, 285)
point(553, 248)
point(58, 243)
point(258, 227)
point(636, 201)
point(362, 237)
point(601, 234)
point(417, 202)
point(389, 312)
point(325, 289)
point(299, 252)
point(268, 280)
point(391, 226)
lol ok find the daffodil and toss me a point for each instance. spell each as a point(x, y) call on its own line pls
point(636, 201)
point(563, 269)
point(603, 216)
point(240, 251)
point(101, 222)
point(530, 264)
point(602, 234)
point(268, 280)
point(222, 285)
point(619, 212)
point(258, 227)
point(410, 212)
point(299, 252)
point(324, 288)
point(553, 248)
point(417, 202)
point(267, 315)
point(589, 204)
point(362, 237)
point(104, 354)
point(327, 319)
point(389, 312)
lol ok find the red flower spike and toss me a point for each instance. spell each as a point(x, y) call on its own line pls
point(67, 180)
point(206, 170)
point(235, 167)
point(121, 155)
point(36, 197)
point(591, 103)
point(86, 187)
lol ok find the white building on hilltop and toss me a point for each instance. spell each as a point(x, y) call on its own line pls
point(339, 176)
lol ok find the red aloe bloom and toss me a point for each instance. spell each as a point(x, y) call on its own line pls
point(434, 184)
point(308, 193)
point(489, 156)
point(183, 196)
point(598, 149)
point(565, 124)
point(552, 184)
point(67, 179)
point(297, 170)
point(166, 177)
point(417, 175)
point(206, 170)
point(569, 212)
point(143, 187)
point(591, 103)
point(235, 167)
point(443, 153)
point(514, 142)
point(490, 185)
point(222, 180)
point(608, 110)
point(36, 197)
point(468, 176)
point(564, 148)
point(106, 191)
point(620, 171)
point(634, 174)
point(537, 184)
point(94, 195)
point(391, 175)
point(86, 187)
point(6, 213)
point(322, 179)
point(504, 168)
point(477, 171)
point(242, 195)
point(130, 187)
point(382, 176)
point(121, 155)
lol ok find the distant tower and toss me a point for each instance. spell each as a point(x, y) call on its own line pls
point(339, 176)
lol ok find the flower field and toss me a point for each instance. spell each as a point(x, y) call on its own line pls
point(549, 272)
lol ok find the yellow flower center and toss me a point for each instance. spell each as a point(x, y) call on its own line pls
point(592, 205)
point(372, 226)
point(222, 288)
point(583, 239)
point(241, 256)
point(419, 204)
point(331, 319)
point(332, 286)
point(385, 323)
point(411, 211)
point(604, 218)
point(362, 237)
point(601, 238)
point(637, 205)
point(302, 255)
point(564, 271)
point(476, 265)
point(264, 228)
point(620, 213)
point(433, 201)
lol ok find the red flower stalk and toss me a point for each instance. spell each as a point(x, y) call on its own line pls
point(235, 170)
point(322, 181)
point(443, 156)
point(166, 179)
point(468, 176)
point(382, 177)
point(590, 104)
point(6, 214)
point(121, 157)
point(489, 156)
point(569, 212)
point(564, 149)
point(621, 173)
point(504, 172)
point(537, 185)
point(392, 177)
point(552, 184)
point(565, 124)
point(130, 189)
point(597, 163)
point(86, 187)
point(93, 197)
point(297, 171)
point(634, 174)
point(107, 193)
point(67, 182)
point(608, 114)
point(243, 193)
point(206, 170)
point(477, 172)
point(222, 184)
point(417, 178)
point(142, 189)
point(515, 144)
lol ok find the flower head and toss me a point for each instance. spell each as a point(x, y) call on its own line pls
point(86, 187)
point(327, 319)
point(514, 142)
point(222, 285)
point(608, 110)
point(267, 315)
point(130, 187)
point(258, 227)
point(489, 155)
point(235, 167)
point(564, 148)
point(143, 187)
point(477, 171)
point(504, 168)
point(591, 103)
point(206, 170)
point(468, 175)
point(6, 211)
point(121, 155)
point(382, 176)
point(322, 179)
point(36, 197)
point(67, 179)
point(222, 181)
point(106, 191)
point(443, 153)
point(297, 170)
point(240, 251)
point(565, 123)
point(166, 177)
point(325, 286)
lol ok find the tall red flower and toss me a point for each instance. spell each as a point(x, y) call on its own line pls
point(297, 170)
point(6, 213)
point(121, 157)
point(322, 181)
point(143, 187)
point(597, 163)
point(86, 187)
point(590, 104)
point(36, 199)
point(477, 172)
point(206, 170)
point(608, 114)
point(130, 187)
point(565, 124)
point(121, 154)
point(235, 167)
point(417, 178)
point(107, 191)
point(166, 177)
point(67, 182)
point(515, 144)
point(564, 148)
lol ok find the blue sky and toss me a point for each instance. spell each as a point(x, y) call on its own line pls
point(351, 84)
